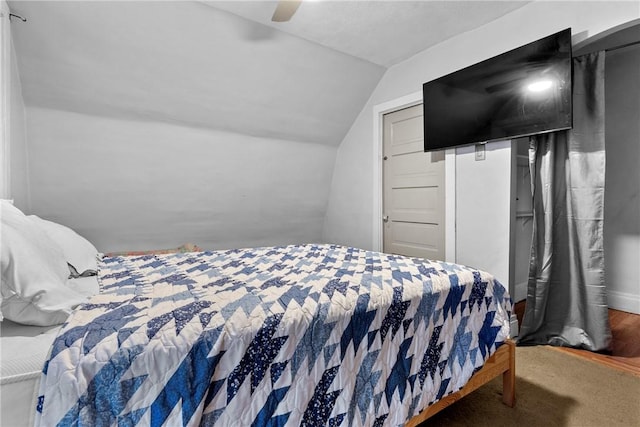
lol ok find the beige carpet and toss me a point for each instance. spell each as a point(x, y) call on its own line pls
point(552, 389)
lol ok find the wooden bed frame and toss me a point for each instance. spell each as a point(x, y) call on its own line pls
point(503, 361)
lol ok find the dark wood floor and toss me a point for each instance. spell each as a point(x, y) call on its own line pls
point(625, 351)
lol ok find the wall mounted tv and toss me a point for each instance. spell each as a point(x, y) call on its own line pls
point(521, 92)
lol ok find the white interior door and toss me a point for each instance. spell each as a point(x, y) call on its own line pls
point(413, 189)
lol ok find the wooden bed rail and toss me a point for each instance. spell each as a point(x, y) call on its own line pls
point(503, 361)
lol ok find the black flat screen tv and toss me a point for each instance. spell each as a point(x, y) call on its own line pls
point(524, 91)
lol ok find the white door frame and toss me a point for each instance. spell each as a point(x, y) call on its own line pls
point(450, 177)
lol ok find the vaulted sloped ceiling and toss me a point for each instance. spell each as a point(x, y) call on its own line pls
point(224, 65)
point(382, 32)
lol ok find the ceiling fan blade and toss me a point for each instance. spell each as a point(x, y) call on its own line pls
point(285, 10)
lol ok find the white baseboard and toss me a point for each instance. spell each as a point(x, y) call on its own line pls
point(623, 301)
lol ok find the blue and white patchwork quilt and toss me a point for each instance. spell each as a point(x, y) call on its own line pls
point(308, 335)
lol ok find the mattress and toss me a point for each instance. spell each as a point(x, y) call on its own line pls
point(23, 352)
point(283, 336)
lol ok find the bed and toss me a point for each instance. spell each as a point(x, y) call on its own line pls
point(311, 334)
point(23, 350)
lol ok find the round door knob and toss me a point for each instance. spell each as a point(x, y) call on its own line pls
point(385, 218)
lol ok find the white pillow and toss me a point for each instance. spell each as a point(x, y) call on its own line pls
point(78, 251)
point(34, 273)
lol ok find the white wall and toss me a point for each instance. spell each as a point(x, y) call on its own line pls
point(13, 156)
point(5, 71)
point(19, 158)
point(350, 213)
point(622, 185)
point(482, 226)
point(140, 185)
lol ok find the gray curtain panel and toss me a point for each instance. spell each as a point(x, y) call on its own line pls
point(566, 296)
